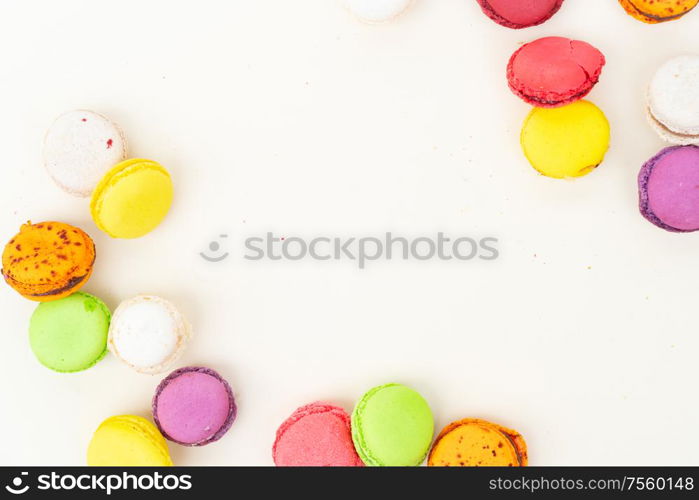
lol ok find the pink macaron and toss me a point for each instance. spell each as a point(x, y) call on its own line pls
point(554, 71)
point(667, 186)
point(518, 14)
point(194, 406)
point(318, 435)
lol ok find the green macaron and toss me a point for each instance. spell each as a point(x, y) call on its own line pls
point(70, 334)
point(392, 425)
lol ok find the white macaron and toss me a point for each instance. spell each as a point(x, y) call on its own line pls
point(148, 333)
point(376, 11)
point(673, 100)
point(79, 148)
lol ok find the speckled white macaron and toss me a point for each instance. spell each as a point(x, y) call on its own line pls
point(673, 100)
point(148, 333)
point(79, 148)
point(376, 11)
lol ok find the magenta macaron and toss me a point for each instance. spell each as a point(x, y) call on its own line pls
point(554, 71)
point(518, 14)
point(316, 435)
point(194, 406)
point(668, 189)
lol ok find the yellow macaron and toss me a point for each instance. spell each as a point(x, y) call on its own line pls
point(569, 141)
point(128, 441)
point(132, 198)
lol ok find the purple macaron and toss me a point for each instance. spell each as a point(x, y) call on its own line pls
point(668, 187)
point(194, 406)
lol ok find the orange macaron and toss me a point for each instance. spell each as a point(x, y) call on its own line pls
point(478, 443)
point(657, 11)
point(48, 261)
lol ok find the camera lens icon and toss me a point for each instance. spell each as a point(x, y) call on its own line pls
point(16, 487)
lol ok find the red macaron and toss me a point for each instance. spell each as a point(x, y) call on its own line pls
point(317, 434)
point(518, 14)
point(554, 71)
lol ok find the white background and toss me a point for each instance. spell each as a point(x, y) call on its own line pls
point(296, 118)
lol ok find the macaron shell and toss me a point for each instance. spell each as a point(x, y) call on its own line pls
point(673, 100)
point(70, 334)
point(194, 406)
point(518, 14)
point(668, 194)
point(554, 71)
point(148, 333)
point(569, 141)
point(128, 441)
point(132, 199)
point(376, 11)
point(478, 443)
point(79, 148)
point(48, 261)
point(657, 11)
point(392, 425)
point(316, 435)
point(668, 135)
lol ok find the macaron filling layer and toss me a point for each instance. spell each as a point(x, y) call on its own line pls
point(70, 285)
point(670, 135)
point(194, 406)
point(668, 193)
point(316, 435)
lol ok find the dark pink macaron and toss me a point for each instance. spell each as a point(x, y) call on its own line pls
point(318, 435)
point(668, 187)
point(517, 14)
point(554, 71)
point(194, 406)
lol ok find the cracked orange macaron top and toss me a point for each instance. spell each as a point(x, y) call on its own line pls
point(48, 260)
point(478, 443)
point(657, 11)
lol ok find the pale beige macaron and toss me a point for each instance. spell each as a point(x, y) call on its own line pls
point(673, 100)
point(148, 333)
point(79, 148)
